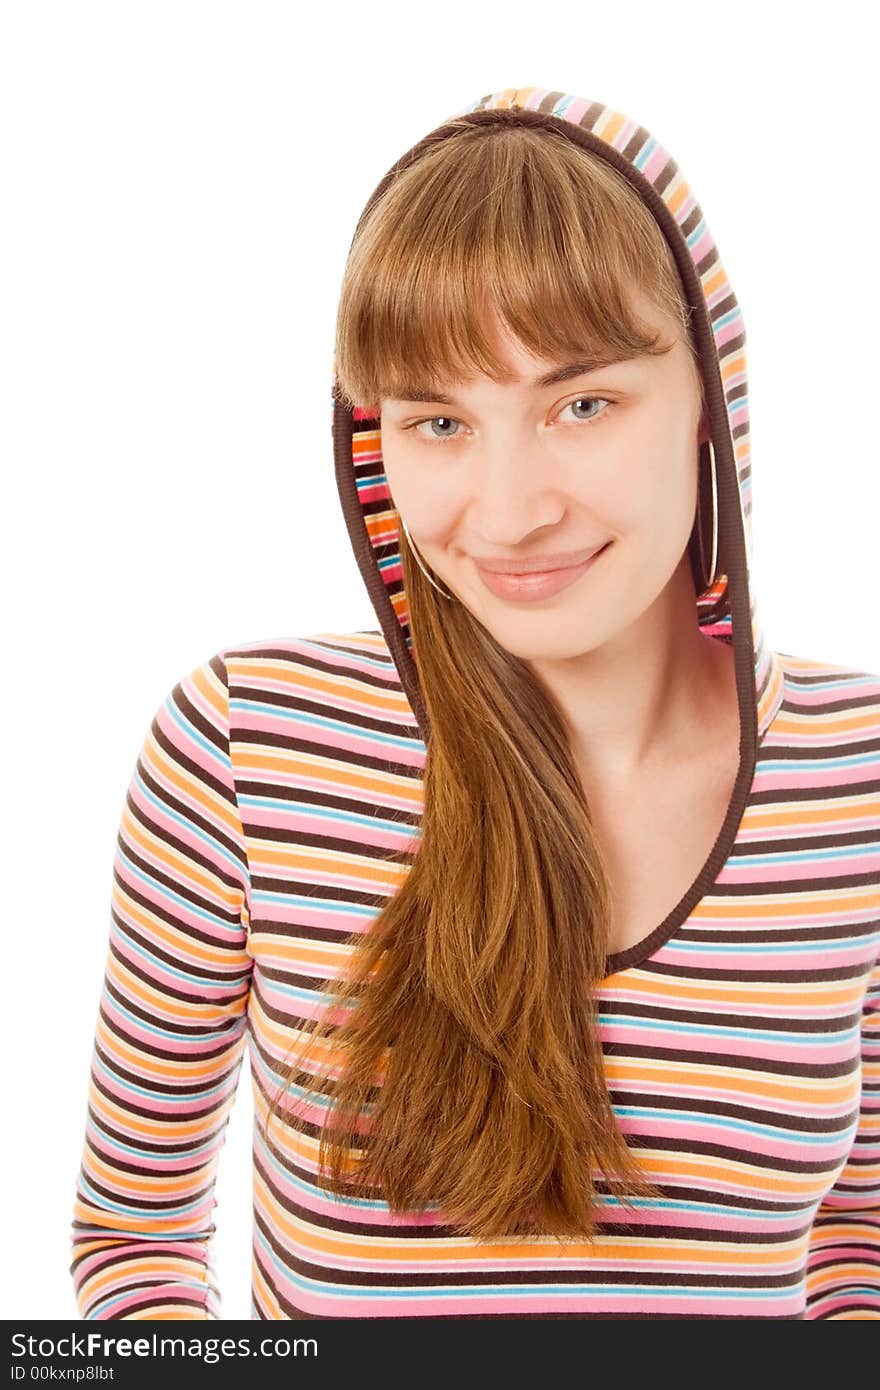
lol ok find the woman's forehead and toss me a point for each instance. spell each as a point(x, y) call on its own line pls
point(523, 370)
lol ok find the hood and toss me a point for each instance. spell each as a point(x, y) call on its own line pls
point(728, 608)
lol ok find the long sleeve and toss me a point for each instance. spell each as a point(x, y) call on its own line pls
point(843, 1267)
point(172, 1021)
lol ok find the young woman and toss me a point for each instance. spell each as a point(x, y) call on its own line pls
point(549, 910)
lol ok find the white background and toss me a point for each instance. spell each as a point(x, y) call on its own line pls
point(180, 183)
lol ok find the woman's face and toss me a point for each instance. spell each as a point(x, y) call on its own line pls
point(524, 470)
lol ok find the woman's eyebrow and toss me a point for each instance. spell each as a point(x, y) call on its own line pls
point(565, 372)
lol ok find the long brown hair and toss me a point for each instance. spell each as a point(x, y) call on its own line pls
point(458, 1064)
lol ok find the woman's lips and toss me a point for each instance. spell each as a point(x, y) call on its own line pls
point(536, 585)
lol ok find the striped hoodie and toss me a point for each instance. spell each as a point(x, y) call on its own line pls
point(274, 807)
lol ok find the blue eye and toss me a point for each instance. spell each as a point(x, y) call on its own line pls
point(592, 400)
point(448, 419)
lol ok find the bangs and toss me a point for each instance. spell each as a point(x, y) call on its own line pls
point(514, 228)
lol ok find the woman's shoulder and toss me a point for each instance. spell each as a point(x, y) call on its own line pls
point(320, 665)
point(811, 670)
point(363, 645)
point(832, 688)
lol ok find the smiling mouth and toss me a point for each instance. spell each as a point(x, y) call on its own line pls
point(536, 584)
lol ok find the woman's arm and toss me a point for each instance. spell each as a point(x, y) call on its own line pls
point(172, 1021)
point(843, 1269)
